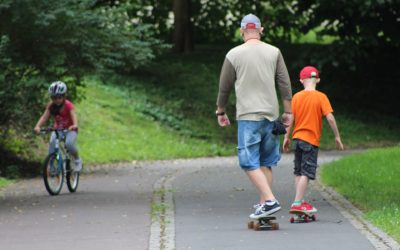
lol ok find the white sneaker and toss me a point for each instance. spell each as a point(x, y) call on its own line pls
point(78, 165)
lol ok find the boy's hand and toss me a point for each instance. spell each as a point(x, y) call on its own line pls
point(223, 120)
point(339, 143)
point(37, 130)
point(286, 144)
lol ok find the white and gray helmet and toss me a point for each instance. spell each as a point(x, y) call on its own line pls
point(57, 88)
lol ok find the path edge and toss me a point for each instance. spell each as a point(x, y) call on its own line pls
point(378, 238)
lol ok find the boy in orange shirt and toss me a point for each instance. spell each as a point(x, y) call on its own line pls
point(308, 107)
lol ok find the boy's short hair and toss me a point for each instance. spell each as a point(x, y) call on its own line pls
point(309, 72)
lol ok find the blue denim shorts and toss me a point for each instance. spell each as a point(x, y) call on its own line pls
point(257, 146)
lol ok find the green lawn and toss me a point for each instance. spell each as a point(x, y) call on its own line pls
point(371, 181)
point(113, 130)
point(4, 182)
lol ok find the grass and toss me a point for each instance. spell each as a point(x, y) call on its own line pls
point(4, 182)
point(371, 181)
point(112, 130)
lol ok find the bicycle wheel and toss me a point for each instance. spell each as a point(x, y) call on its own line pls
point(53, 175)
point(72, 177)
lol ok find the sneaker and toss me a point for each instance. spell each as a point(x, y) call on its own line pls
point(304, 206)
point(257, 205)
point(78, 165)
point(309, 207)
point(268, 208)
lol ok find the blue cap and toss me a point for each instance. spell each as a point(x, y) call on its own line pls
point(250, 21)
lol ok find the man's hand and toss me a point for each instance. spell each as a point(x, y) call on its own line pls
point(223, 120)
point(287, 119)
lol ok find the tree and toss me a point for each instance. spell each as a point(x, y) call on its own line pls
point(182, 35)
point(45, 40)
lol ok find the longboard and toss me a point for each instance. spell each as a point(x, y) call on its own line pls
point(264, 223)
point(302, 216)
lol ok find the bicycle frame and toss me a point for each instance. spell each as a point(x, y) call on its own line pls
point(57, 165)
point(60, 151)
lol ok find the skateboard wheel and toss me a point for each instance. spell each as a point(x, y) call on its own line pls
point(314, 217)
point(274, 226)
point(305, 219)
point(257, 227)
point(250, 225)
point(291, 219)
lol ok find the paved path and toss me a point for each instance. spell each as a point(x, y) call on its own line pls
point(212, 206)
point(210, 200)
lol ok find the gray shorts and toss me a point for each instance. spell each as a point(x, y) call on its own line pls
point(305, 159)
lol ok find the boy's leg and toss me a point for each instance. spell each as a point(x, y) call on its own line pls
point(301, 187)
point(305, 169)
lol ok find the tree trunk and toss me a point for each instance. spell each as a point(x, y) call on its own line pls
point(183, 35)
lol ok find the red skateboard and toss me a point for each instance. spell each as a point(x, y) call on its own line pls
point(302, 216)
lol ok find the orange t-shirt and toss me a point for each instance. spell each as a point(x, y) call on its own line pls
point(308, 107)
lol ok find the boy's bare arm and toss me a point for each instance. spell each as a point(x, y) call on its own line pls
point(332, 124)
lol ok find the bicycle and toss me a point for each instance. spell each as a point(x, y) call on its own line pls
point(57, 165)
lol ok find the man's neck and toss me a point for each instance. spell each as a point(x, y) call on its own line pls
point(252, 39)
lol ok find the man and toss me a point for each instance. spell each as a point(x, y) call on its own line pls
point(254, 68)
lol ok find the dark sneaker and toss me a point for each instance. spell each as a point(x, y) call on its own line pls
point(268, 208)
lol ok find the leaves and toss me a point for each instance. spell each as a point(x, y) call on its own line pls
point(45, 40)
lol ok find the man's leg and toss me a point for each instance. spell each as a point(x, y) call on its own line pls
point(257, 177)
point(268, 174)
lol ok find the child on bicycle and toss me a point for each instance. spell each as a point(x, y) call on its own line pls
point(308, 107)
point(65, 117)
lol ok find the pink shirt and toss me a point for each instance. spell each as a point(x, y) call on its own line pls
point(63, 119)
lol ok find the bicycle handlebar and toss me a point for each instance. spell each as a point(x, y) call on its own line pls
point(50, 129)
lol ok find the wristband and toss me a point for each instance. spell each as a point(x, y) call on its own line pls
point(219, 113)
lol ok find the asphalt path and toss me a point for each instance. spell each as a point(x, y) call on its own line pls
point(212, 208)
point(212, 199)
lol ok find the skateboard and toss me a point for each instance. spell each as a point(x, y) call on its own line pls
point(302, 216)
point(263, 223)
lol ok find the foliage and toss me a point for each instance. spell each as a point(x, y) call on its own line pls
point(357, 22)
point(214, 21)
point(42, 41)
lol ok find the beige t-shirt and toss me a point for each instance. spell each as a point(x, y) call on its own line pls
point(254, 68)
